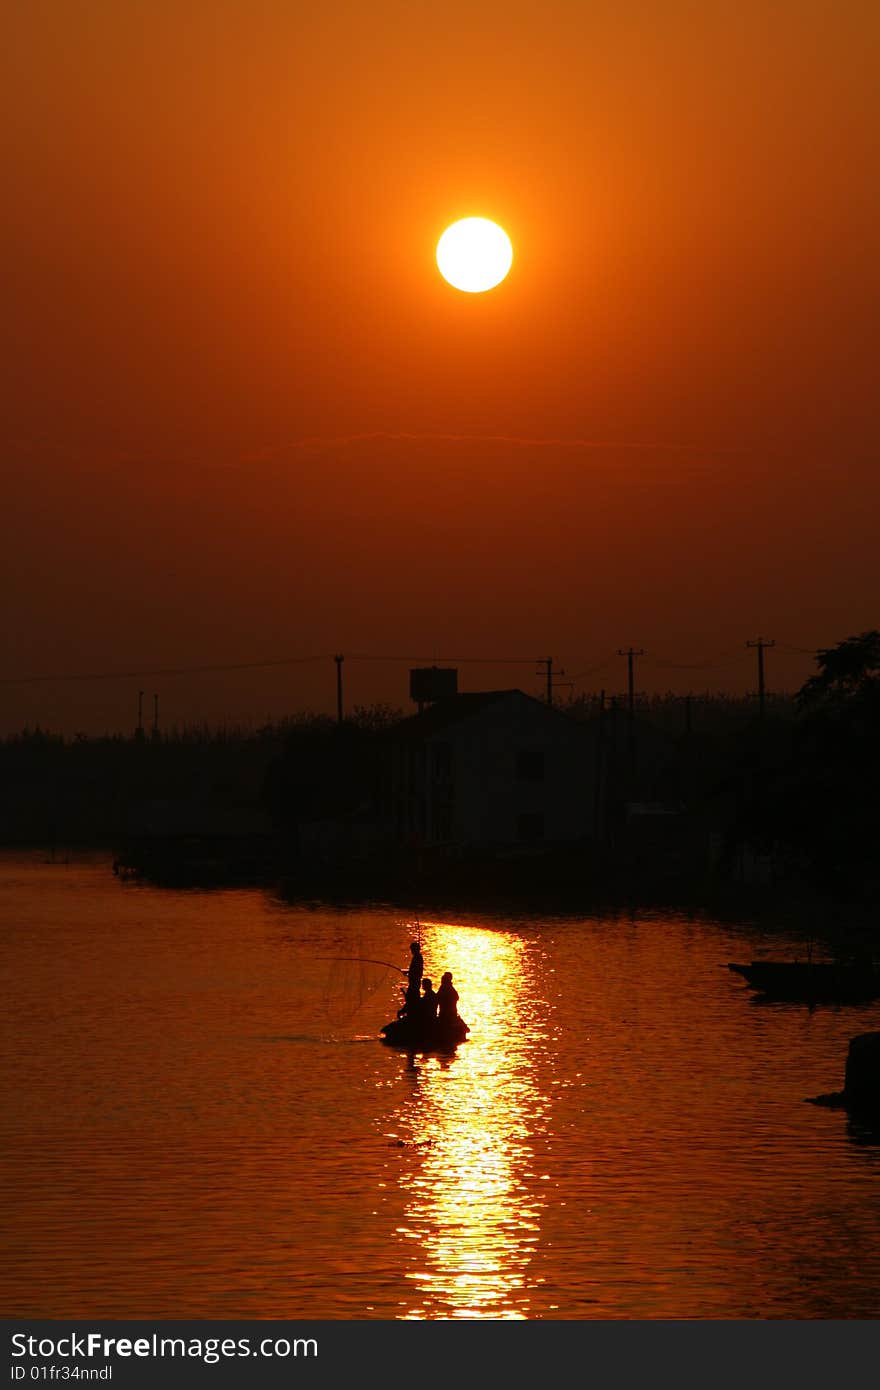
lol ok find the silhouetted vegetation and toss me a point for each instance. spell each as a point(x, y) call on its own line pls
point(826, 801)
point(692, 789)
point(84, 790)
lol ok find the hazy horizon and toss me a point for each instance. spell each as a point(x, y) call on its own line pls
point(246, 420)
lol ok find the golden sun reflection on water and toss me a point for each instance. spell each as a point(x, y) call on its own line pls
point(471, 1221)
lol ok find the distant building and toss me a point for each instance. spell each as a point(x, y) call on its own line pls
point(497, 768)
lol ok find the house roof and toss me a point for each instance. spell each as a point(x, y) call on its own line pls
point(443, 713)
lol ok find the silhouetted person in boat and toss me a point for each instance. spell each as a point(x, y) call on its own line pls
point(412, 999)
point(447, 1001)
point(428, 1005)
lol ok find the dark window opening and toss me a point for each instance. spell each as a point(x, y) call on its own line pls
point(442, 761)
point(530, 826)
point(530, 765)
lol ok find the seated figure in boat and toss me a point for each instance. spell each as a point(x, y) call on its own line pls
point(428, 1004)
point(412, 997)
point(419, 1028)
point(447, 1001)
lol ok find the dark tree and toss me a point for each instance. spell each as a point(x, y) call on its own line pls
point(849, 671)
point(833, 801)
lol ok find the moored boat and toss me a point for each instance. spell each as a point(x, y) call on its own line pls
point(808, 981)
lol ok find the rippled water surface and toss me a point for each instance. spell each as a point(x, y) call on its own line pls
point(198, 1119)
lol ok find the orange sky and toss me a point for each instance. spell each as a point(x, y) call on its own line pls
point(661, 429)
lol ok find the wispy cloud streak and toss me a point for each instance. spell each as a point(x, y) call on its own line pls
point(317, 443)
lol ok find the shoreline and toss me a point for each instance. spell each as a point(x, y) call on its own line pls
point(550, 886)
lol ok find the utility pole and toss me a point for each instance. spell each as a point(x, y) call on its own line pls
point(760, 645)
point(549, 673)
point(630, 653)
point(688, 760)
point(339, 712)
point(599, 819)
point(155, 716)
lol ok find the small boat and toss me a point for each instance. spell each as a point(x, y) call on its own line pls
point(409, 1034)
point(813, 982)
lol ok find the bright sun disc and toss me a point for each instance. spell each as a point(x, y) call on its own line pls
point(474, 254)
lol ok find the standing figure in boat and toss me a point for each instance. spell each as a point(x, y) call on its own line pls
point(412, 997)
point(428, 1005)
point(418, 1026)
point(447, 1001)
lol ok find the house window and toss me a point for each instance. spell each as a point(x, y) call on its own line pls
point(530, 765)
point(530, 826)
point(441, 754)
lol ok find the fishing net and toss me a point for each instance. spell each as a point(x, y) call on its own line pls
point(353, 980)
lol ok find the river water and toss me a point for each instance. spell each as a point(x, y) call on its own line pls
point(198, 1119)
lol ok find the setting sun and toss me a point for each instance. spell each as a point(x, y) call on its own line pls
point(474, 255)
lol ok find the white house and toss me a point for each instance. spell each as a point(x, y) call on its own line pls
point(490, 769)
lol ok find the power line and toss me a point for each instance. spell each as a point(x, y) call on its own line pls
point(692, 665)
point(217, 668)
point(459, 660)
point(549, 675)
point(591, 670)
point(161, 671)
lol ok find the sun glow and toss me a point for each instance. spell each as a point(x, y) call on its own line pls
point(474, 255)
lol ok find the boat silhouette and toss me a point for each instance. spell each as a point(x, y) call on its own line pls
point(812, 982)
point(415, 1036)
